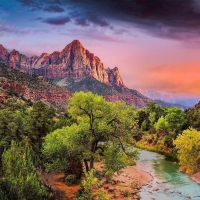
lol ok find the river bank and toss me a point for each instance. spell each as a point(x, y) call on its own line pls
point(126, 184)
point(170, 155)
point(170, 183)
point(152, 178)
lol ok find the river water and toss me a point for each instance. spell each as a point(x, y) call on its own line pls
point(172, 185)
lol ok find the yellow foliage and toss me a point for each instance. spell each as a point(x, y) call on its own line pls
point(188, 146)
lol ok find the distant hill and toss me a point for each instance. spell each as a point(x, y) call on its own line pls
point(182, 100)
point(33, 87)
point(167, 104)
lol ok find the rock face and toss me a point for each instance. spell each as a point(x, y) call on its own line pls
point(114, 77)
point(111, 93)
point(31, 87)
point(74, 62)
point(76, 69)
point(3, 54)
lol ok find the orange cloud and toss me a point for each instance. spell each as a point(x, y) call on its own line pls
point(181, 78)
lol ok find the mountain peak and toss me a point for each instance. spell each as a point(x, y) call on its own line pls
point(77, 42)
point(3, 53)
point(74, 62)
point(1, 46)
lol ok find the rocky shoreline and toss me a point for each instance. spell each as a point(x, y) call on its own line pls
point(126, 184)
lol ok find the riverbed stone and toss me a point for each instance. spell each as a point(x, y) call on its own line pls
point(155, 189)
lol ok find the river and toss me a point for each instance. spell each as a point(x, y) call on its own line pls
point(172, 185)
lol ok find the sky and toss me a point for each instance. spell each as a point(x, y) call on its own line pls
point(154, 43)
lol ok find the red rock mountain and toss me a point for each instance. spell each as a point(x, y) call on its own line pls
point(74, 62)
point(75, 68)
point(14, 83)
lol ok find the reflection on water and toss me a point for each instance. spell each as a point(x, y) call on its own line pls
point(172, 185)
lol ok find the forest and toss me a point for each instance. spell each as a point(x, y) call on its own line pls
point(36, 139)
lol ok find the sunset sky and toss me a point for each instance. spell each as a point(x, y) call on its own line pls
point(154, 43)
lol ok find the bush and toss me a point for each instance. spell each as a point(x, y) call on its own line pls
point(87, 184)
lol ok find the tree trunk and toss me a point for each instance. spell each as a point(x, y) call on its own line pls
point(86, 165)
point(91, 162)
point(93, 149)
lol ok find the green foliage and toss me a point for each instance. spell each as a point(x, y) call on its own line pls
point(12, 127)
point(148, 116)
point(55, 150)
point(175, 119)
point(89, 183)
point(108, 175)
point(61, 146)
point(99, 123)
point(101, 195)
point(116, 159)
point(188, 146)
point(70, 179)
point(142, 116)
point(62, 121)
point(193, 117)
point(144, 125)
point(40, 122)
point(171, 125)
point(168, 141)
point(20, 175)
point(134, 185)
point(161, 125)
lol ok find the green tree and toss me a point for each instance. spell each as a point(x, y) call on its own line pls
point(20, 178)
point(193, 117)
point(143, 121)
point(161, 125)
point(103, 122)
point(148, 116)
point(12, 127)
point(100, 124)
point(39, 124)
point(89, 183)
point(175, 120)
point(59, 153)
point(188, 146)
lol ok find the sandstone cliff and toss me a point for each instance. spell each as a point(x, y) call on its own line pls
point(31, 87)
point(74, 61)
point(74, 68)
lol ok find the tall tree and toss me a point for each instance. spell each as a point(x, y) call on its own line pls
point(20, 178)
point(40, 123)
point(100, 124)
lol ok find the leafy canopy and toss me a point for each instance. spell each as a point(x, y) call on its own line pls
point(100, 125)
point(188, 145)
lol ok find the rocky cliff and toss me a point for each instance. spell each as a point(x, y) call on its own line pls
point(74, 61)
point(74, 68)
point(31, 87)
